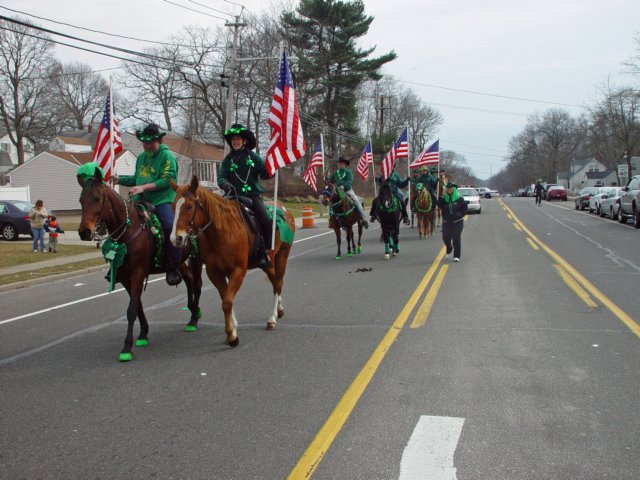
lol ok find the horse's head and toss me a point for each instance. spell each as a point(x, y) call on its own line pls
point(93, 200)
point(189, 216)
point(328, 193)
point(385, 195)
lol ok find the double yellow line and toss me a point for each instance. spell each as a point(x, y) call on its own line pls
point(327, 434)
point(583, 287)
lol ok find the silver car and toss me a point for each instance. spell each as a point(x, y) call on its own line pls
point(472, 198)
point(610, 203)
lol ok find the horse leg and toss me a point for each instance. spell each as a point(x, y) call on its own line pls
point(192, 276)
point(134, 289)
point(276, 277)
point(359, 249)
point(228, 293)
point(338, 241)
point(349, 233)
point(396, 248)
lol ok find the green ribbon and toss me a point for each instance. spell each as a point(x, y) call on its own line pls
point(114, 253)
point(286, 234)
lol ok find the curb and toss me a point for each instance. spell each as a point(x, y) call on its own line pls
point(49, 278)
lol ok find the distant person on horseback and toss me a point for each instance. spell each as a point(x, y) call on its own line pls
point(428, 179)
point(453, 208)
point(240, 174)
point(343, 178)
point(155, 166)
point(396, 183)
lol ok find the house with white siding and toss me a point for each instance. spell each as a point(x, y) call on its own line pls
point(51, 176)
point(9, 149)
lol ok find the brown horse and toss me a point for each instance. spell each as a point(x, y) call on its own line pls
point(103, 208)
point(423, 205)
point(226, 241)
point(342, 215)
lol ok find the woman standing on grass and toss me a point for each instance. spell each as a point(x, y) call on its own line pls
point(37, 217)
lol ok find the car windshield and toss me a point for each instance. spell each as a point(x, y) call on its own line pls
point(23, 206)
point(468, 192)
point(556, 188)
point(608, 191)
point(588, 190)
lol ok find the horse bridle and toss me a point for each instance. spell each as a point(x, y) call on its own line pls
point(125, 223)
point(332, 206)
point(190, 230)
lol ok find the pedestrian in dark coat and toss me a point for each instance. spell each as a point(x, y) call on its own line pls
point(454, 209)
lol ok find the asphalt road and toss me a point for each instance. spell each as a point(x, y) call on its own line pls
point(520, 362)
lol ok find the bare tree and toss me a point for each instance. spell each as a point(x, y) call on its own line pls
point(81, 92)
point(26, 66)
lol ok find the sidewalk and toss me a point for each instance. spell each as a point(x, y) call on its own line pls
point(72, 238)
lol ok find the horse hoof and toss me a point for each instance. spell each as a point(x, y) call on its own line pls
point(349, 254)
point(234, 343)
point(271, 325)
point(359, 250)
point(395, 253)
point(125, 357)
point(142, 342)
point(199, 313)
point(190, 328)
point(338, 257)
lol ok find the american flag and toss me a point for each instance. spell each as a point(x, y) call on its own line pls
point(366, 159)
point(287, 141)
point(102, 149)
point(400, 149)
point(317, 159)
point(310, 177)
point(429, 156)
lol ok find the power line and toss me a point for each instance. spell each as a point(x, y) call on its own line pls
point(522, 99)
point(210, 8)
point(194, 10)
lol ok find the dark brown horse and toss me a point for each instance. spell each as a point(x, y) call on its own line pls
point(342, 215)
point(389, 212)
point(226, 242)
point(104, 208)
point(424, 207)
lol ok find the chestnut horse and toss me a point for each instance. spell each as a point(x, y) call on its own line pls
point(342, 215)
point(424, 207)
point(103, 208)
point(226, 242)
point(389, 213)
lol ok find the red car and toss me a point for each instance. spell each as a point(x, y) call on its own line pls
point(557, 193)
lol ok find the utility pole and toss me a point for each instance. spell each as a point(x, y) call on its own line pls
point(381, 115)
point(232, 81)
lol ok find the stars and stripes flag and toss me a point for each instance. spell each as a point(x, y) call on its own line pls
point(317, 160)
point(366, 159)
point(287, 141)
point(429, 156)
point(102, 152)
point(400, 149)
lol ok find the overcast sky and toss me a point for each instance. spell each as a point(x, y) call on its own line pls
point(556, 51)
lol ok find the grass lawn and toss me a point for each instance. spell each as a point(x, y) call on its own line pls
point(43, 272)
point(20, 252)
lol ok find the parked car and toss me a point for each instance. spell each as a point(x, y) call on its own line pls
point(582, 199)
point(610, 203)
point(630, 202)
point(546, 187)
point(472, 198)
point(488, 192)
point(557, 192)
point(594, 201)
point(14, 218)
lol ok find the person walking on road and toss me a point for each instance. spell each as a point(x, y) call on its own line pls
point(538, 191)
point(453, 208)
point(37, 217)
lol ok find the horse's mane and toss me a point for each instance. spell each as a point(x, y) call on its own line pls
point(219, 210)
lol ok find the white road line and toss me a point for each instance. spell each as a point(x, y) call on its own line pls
point(429, 453)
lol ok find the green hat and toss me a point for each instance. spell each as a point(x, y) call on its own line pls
point(434, 170)
point(150, 133)
point(88, 171)
point(451, 185)
point(240, 130)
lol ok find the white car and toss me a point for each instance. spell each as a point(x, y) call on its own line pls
point(610, 203)
point(595, 200)
point(487, 192)
point(471, 196)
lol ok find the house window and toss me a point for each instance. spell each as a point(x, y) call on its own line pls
point(593, 168)
point(204, 171)
point(4, 147)
point(28, 148)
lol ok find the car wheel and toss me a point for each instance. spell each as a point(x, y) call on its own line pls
point(601, 212)
point(636, 218)
point(590, 210)
point(487, 195)
point(621, 217)
point(564, 199)
point(479, 211)
point(9, 232)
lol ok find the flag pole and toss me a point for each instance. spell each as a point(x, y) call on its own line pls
point(323, 174)
point(275, 184)
point(111, 147)
point(373, 171)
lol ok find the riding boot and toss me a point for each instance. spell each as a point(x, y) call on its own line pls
point(174, 277)
point(264, 261)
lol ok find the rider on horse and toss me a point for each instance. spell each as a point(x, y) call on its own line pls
point(343, 177)
point(240, 172)
point(396, 184)
point(427, 179)
point(155, 166)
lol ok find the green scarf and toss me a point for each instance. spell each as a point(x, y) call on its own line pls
point(454, 196)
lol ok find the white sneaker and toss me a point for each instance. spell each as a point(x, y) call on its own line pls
point(456, 259)
point(448, 256)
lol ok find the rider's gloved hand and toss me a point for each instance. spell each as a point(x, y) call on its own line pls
point(227, 188)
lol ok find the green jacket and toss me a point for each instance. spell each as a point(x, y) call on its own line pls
point(158, 169)
point(429, 181)
point(243, 169)
point(342, 177)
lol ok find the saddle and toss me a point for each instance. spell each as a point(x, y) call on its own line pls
point(246, 204)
